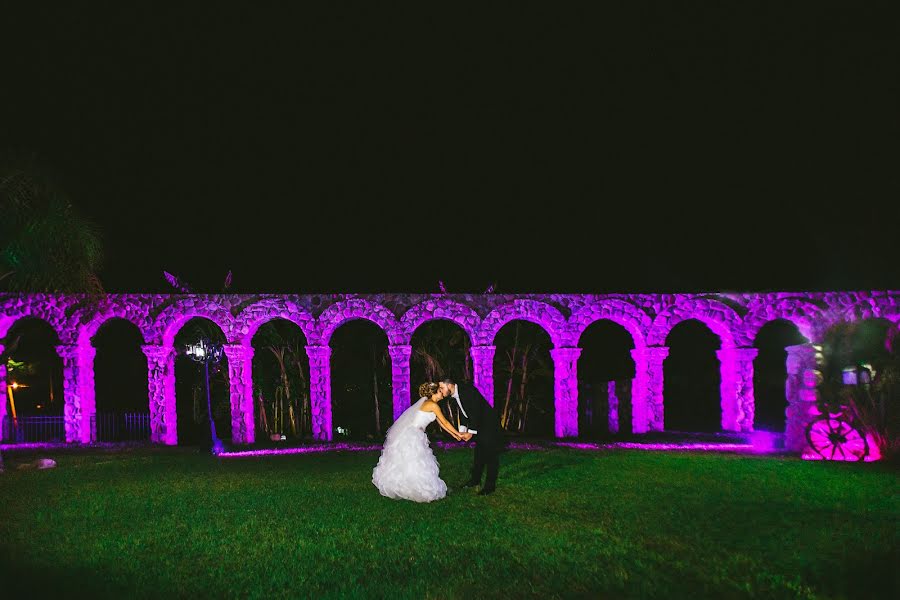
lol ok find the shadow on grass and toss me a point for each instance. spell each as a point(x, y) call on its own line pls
point(865, 575)
point(24, 580)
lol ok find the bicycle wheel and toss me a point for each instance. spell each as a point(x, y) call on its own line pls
point(836, 439)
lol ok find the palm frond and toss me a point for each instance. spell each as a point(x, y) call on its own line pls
point(177, 283)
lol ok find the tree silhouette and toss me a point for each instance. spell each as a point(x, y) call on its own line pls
point(46, 245)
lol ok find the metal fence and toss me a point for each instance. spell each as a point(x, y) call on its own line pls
point(105, 427)
point(120, 427)
point(33, 429)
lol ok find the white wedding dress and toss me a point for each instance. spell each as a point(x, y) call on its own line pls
point(407, 468)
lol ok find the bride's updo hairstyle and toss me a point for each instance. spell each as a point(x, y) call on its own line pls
point(428, 389)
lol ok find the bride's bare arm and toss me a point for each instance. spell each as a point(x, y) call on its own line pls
point(442, 420)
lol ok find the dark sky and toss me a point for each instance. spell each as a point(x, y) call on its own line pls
point(678, 147)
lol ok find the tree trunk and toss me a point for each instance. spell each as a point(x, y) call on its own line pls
point(275, 401)
point(293, 419)
point(375, 392)
point(509, 383)
point(523, 402)
point(304, 392)
point(525, 414)
point(263, 421)
point(285, 391)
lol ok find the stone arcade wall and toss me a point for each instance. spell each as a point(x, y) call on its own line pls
point(735, 317)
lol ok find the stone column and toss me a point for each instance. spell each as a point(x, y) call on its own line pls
point(647, 406)
point(737, 388)
point(565, 386)
point(483, 370)
point(320, 390)
point(5, 400)
point(161, 393)
point(401, 394)
point(240, 380)
point(78, 391)
point(803, 377)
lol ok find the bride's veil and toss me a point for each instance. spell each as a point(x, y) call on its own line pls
point(404, 420)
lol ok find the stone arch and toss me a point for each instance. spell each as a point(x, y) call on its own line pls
point(606, 369)
point(57, 330)
point(554, 389)
point(894, 317)
point(719, 317)
point(437, 309)
point(42, 335)
point(357, 308)
point(358, 362)
point(859, 313)
point(174, 317)
point(185, 374)
point(866, 308)
point(635, 321)
point(544, 315)
point(888, 306)
point(257, 372)
point(808, 317)
point(254, 316)
point(771, 341)
point(118, 369)
point(89, 323)
point(52, 313)
point(693, 374)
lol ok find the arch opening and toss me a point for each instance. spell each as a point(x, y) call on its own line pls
point(692, 379)
point(440, 348)
point(281, 394)
point(360, 381)
point(605, 374)
point(190, 387)
point(35, 404)
point(523, 379)
point(120, 380)
point(770, 374)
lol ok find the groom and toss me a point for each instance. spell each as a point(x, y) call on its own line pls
point(482, 423)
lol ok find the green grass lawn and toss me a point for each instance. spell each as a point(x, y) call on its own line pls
point(162, 522)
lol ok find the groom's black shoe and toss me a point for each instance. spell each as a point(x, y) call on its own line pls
point(469, 484)
point(486, 491)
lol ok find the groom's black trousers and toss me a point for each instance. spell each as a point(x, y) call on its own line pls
point(487, 454)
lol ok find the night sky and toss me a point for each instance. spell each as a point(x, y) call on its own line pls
point(680, 147)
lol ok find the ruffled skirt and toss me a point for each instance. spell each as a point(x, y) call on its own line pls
point(408, 470)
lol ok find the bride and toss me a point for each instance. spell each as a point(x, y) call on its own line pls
point(407, 468)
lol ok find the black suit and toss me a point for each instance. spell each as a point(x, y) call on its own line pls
point(481, 417)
